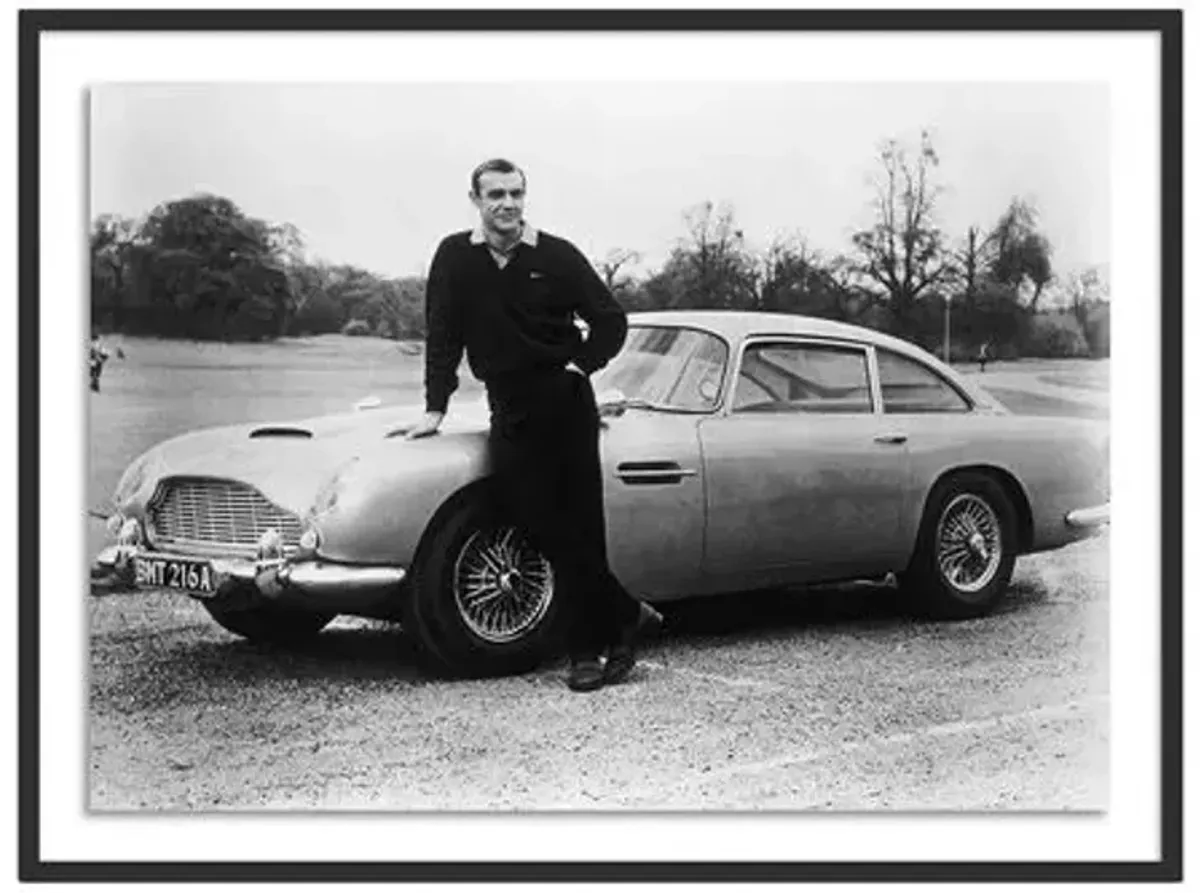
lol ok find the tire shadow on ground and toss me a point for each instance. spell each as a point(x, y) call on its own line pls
point(849, 608)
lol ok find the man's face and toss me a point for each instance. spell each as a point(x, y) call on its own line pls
point(501, 201)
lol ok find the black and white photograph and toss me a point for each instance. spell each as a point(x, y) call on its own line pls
point(484, 442)
point(796, 448)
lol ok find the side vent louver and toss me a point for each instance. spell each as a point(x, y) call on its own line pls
point(281, 432)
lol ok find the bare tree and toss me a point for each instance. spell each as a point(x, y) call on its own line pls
point(721, 273)
point(793, 276)
point(777, 271)
point(610, 266)
point(904, 250)
point(972, 262)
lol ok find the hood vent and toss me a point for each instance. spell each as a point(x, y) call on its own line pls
point(299, 433)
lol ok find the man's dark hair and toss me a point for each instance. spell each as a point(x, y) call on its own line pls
point(494, 165)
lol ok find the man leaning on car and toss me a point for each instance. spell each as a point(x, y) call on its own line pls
point(508, 295)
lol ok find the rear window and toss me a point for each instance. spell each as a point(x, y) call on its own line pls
point(909, 386)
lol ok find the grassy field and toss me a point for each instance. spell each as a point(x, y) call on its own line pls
point(164, 388)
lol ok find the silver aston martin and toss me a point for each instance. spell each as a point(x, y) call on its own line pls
point(741, 451)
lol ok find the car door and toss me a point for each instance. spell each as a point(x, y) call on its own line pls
point(805, 480)
point(654, 501)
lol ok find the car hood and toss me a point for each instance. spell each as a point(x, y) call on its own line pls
point(289, 462)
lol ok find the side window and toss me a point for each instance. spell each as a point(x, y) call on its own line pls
point(909, 386)
point(821, 378)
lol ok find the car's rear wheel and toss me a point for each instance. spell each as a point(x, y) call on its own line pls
point(482, 599)
point(965, 551)
point(266, 623)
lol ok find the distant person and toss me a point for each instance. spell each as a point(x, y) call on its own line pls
point(508, 295)
point(983, 357)
point(97, 357)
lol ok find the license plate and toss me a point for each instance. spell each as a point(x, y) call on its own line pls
point(174, 573)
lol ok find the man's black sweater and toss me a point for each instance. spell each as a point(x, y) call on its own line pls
point(514, 319)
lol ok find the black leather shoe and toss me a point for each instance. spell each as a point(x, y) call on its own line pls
point(585, 675)
point(622, 657)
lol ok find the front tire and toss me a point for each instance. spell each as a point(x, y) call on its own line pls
point(267, 623)
point(966, 549)
point(482, 599)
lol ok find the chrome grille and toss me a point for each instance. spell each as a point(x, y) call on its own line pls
point(217, 515)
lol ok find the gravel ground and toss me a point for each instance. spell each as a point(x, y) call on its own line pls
point(784, 701)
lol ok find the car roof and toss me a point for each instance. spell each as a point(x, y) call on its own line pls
point(737, 325)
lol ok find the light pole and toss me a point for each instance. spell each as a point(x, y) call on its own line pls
point(946, 331)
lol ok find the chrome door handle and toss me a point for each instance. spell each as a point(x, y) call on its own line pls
point(664, 472)
point(650, 476)
point(891, 438)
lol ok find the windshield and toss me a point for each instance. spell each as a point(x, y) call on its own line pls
point(668, 366)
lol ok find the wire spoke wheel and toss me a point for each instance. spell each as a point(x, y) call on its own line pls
point(969, 546)
point(503, 587)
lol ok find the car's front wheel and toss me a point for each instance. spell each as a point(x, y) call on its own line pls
point(267, 623)
point(482, 599)
point(965, 551)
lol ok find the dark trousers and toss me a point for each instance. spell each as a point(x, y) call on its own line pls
point(545, 454)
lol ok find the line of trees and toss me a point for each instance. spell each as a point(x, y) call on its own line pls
point(200, 268)
point(897, 274)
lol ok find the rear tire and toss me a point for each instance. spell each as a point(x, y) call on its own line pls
point(966, 549)
point(481, 600)
point(267, 623)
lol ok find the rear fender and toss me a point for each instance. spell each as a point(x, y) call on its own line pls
point(1049, 466)
point(1012, 488)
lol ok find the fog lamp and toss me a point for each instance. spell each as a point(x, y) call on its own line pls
point(270, 545)
point(130, 533)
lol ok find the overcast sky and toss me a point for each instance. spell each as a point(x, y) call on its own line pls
point(374, 175)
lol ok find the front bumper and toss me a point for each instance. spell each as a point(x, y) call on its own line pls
point(1088, 518)
point(308, 582)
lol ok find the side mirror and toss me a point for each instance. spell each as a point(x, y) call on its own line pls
point(611, 403)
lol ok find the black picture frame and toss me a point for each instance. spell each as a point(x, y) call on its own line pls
point(1167, 24)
